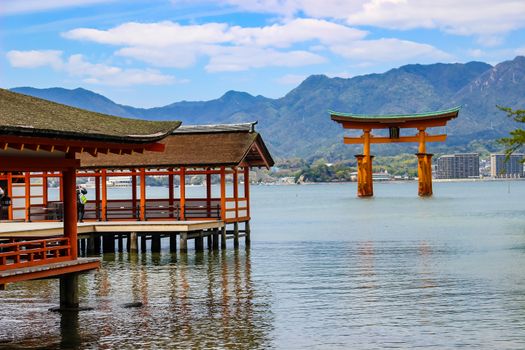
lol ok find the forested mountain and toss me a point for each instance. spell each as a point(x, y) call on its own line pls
point(298, 124)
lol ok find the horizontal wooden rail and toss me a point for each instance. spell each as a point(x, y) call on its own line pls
point(34, 252)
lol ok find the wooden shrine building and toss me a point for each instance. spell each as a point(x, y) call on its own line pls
point(221, 155)
point(38, 136)
point(394, 123)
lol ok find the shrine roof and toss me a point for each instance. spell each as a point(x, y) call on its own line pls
point(24, 115)
point(395, 118)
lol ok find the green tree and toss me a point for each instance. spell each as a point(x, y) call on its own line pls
point(517, 136)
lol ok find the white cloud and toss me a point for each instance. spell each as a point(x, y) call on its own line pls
point(11, 7)
point(389, 50)
point(77, 66)
point(162, 34)
point(291, 79)
point(34, 58)
point(482, 18)
point(231, 59)
point(228, 48)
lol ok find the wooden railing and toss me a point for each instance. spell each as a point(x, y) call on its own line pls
point(156, 209)
point(34, 252)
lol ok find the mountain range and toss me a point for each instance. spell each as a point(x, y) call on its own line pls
point(298, 124)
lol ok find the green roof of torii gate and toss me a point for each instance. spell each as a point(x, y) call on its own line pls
point(389, 118)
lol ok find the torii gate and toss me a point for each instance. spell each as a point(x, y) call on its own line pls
point(419, 121)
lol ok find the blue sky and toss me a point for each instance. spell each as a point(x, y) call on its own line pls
point(152, 53)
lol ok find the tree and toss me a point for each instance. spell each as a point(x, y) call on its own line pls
point(517, 136)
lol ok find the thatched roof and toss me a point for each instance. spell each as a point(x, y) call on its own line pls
point(195, 146)
point(23, 115)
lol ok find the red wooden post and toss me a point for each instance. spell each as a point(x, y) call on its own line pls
point(134, 193)
point(45, 196)
point(236, 191)
point(208, 192)
point(142, 194)
point(27, 192)
point(247, 189)
point(97, 195)
point(103, 180)
point(10, 192)
point(182, 187)
point(223, 193)
point(171, 196)
point(70, 206)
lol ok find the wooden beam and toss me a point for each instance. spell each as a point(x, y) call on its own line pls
point(416, 138)
point(36, 163)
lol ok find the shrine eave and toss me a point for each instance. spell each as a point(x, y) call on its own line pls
point(391, 119)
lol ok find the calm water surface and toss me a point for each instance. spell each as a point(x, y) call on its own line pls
point(325, 271)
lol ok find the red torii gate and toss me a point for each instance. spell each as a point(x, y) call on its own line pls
point(394, 122)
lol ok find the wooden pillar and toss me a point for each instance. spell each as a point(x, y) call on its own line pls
point(365, 187)
point(96, 244)
point(143, 243)
point(69, 291)
point(422, 143)
point(223, 193)
point(120, 243)
point(10, 193)
point(142, 194)
point(134, 194)
point(171, 196)
point(182, 187)
point(209, 241)
point(183, 242)
point(235, 235)
point(215, 239)
point(247, 189)
point(208, 192)
point(173, 242)
point(223, 237)
point(103, 180)
point(133, 242)
point(45, 189)
point(236, 191)
point(82, 250)
point(424, 173)
point(98, 205)
point(108, 243)
point(247, 232)
point(155, 242)
point(90, 249)
point(27, 190)
point(70, 207)
point(199, 243)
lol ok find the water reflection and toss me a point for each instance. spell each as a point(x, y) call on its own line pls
point(196, 300)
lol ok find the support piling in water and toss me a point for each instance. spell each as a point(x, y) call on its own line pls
point(143, 243)
point(133, 242)
point(183, 242)
point(235, 235)
point(247, 232)
point(155, 243)
point(173, 242)
point(223, 237)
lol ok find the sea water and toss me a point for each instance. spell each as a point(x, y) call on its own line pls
point(325, 270)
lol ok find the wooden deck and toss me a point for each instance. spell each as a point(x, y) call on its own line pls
point(47, 229)
point(49, 270)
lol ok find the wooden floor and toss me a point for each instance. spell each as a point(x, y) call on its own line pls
point(49, 270)
point(46, 229)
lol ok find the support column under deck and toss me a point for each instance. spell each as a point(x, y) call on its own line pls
point(69, 291)
point(183, 242)
point(155, 242)
point(133, 242)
